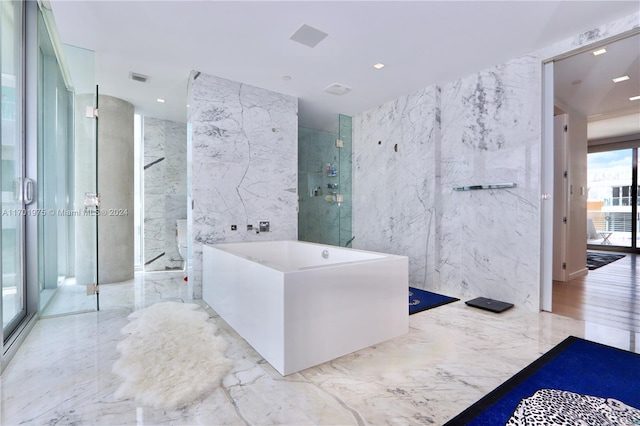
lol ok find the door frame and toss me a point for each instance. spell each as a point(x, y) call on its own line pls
point(547, 174)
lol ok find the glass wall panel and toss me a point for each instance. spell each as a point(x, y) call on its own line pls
point(318, 217)
point(324, 184)
point(13, 219)
point(52, 179)
point(66, 173)
point(345, 138)
point(80, 63)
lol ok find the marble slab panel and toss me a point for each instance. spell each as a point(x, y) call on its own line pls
point(175, 174)
point(490, 134)
point(244, 164)
point(486, 129)
point(165, 190)
point(393, 181)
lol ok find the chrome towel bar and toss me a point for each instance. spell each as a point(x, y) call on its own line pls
point(492, 186)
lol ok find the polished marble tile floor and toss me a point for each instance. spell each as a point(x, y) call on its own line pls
point(451, 357)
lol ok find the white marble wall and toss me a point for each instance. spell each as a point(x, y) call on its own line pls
point(490, 133)
point(393, 192)
point(175, 180)
point(165, 190)
point(244, 165)
point(481, 129)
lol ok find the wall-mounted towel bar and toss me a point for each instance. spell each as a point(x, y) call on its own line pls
point(492, 186)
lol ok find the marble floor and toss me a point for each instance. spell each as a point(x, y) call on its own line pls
point(451, 357)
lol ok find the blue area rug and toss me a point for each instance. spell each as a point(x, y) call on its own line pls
point(578, 380)
point(421, 300)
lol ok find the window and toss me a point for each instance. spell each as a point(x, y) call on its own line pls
point(621, 196)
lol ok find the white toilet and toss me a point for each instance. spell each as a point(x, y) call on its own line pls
point(181, 237)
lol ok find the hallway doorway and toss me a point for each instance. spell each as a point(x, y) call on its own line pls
point(598, 85)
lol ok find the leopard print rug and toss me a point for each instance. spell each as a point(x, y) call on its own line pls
point(557, 407)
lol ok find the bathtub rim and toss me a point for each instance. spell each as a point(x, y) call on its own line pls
point(377, 256)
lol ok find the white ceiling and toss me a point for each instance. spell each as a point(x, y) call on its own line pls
point(585, 82)
point(421, 43)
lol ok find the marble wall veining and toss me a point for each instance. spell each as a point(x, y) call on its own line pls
point(481, 129)
point(244, 165)
point(490, 133)
point(393, 192)
point(165, 191)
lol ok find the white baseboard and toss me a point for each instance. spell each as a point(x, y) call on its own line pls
point(579, 273)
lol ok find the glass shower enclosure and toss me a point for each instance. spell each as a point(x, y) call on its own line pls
point(324, 184)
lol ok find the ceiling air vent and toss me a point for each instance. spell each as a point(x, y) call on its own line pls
point(138, 77)
point(337, 89)
point(308, 35)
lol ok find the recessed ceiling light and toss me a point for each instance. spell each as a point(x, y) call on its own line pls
point(160, 100)
point(378, 66)
point(619, 79)
point(635, 98)
point(286, 77)
point(599, 51)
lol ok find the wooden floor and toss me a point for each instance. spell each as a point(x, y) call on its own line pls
point(609, 295)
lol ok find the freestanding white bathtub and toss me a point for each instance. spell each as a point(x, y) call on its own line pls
point(301, 304)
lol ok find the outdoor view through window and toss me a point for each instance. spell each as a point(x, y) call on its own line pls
point(611, 197)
